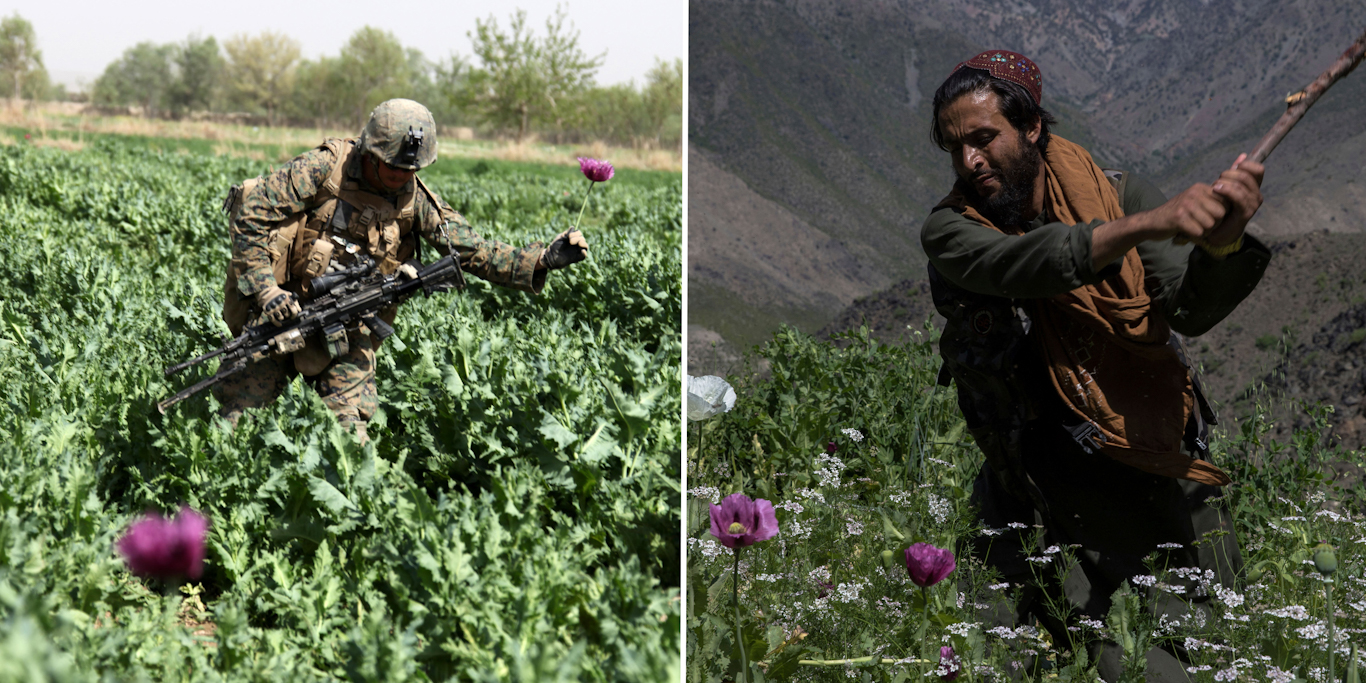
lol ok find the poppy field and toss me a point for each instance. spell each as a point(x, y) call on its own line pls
point(514, 515)
point(829, 506)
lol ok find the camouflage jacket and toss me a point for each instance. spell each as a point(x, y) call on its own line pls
point(292, 189)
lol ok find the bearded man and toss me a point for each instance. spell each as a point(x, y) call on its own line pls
point(1063, 289)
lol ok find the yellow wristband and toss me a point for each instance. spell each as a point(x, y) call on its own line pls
point(1224, 250)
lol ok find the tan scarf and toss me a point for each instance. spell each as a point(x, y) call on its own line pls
point(1106, 345)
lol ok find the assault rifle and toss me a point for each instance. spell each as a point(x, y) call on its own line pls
point(341, 299)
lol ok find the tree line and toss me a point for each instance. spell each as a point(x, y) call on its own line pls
point(520, 82)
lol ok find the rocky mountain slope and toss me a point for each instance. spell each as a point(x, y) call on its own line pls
point(811, 169)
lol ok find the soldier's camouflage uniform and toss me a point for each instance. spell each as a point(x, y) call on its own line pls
point(347, 383)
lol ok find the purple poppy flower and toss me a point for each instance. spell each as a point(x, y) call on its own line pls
point(739, 521)
point(825, 589)
point(166, 548)
point(831, 448)
point(949, 664)
point(928, 565)
point(596, 170)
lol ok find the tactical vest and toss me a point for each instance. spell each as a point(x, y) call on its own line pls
point(341, 222)
point(988, 352)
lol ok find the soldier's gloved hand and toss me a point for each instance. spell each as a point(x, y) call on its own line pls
point(277, 304)
point(407, 271)
point(568, 248)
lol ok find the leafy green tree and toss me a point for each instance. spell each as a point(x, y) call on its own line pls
point(376, 68)
point(663, 102)
point(21, 62)
point(260, 70)
point(523, 79)
point(198, 66)
point(320, 93)
point(140, 77)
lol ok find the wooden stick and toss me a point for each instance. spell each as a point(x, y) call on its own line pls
point(1298, 103)
point(1301, 101)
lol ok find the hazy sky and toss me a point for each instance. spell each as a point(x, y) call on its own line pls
point(79, 39)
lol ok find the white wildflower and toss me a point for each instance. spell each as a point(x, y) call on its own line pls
point(988, 531)
point(1145, 580)
point(937, 461)
point(848, 592)
point(853, 434)
point(791, 506)
point(1329, 514)
point(1293, 518)
point(1170, 545)
point(1228, 596)
point(1040, 560)
point(709, 492)
point(709, 548)
point(1291, 612)
point(853, 528)
point(811, 495)
point(1092, 623)
point(1312, 631)
point(820, 574)
point(940, 508)
point(1277, 676)
point(999, 586)
point(903, 498)
point(1016, 525)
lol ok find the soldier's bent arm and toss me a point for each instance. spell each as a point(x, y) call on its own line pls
point(498, 262)
point(281, 194)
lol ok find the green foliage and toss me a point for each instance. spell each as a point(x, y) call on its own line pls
point(523, 78)
point(514, 517)
point(140, 77)
point(21, 62)
point(827, 599)
point(198, 66)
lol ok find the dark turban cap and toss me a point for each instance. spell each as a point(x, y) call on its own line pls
point(1009, 66)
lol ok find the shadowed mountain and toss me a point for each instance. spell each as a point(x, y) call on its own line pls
point(810, 121)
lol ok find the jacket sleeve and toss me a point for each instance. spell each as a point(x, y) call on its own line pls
point(281, 194)
point(1195, 290)
point(1046, 261)
point(498, 262)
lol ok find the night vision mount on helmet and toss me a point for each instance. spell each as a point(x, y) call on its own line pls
point(401, 133)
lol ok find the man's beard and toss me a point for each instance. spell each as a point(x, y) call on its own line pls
point(1013, 202)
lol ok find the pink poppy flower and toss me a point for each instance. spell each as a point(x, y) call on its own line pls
point(596, 170)
point(166, 548)
point(928, 565)
point(739, 521)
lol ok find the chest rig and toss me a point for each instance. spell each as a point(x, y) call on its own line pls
point(346, 222)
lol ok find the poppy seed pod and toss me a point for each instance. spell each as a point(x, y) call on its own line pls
point(1325, 560)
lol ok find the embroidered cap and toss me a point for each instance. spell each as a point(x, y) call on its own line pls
point(1009, 66)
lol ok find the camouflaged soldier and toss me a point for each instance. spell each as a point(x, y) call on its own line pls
point(316, 215)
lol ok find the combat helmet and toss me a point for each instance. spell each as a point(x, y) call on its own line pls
point(402, 133)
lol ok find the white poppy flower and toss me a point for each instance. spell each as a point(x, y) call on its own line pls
point(708, 395)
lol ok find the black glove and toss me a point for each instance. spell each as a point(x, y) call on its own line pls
point(277, 304)
point(568, 248)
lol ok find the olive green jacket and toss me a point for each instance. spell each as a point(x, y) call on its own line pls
point(1193, 289)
